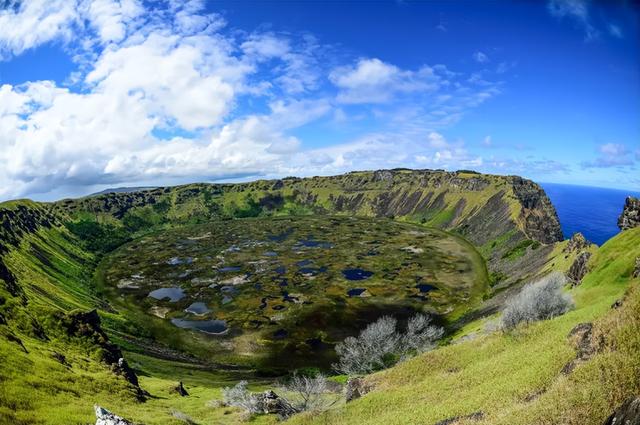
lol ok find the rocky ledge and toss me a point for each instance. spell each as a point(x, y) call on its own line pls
point(630, 216)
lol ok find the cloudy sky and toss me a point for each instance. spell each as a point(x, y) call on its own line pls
point(104, 93)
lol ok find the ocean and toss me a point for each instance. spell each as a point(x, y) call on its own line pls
point(593, 211)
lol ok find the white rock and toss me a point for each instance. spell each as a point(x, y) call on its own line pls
point(104, 417)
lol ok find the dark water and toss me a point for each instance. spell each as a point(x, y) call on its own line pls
point(355, 292)
point(206, 326)
point(425, 287)
point(356, 274)
point(593, 211)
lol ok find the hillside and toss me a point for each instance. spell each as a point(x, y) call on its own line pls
point(58, 359)
point(466, 380)
point(506, 217)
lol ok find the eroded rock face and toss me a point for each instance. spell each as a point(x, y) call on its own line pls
point(539, 215)
point(627, 414)
point(579, 268)
point(104, 417)
point(630, 216)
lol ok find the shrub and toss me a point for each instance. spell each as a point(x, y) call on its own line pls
point(306, 393)
point(421, 335)
point(240, 396)
point(541, 300)
point(371, 350)
point(380, 345)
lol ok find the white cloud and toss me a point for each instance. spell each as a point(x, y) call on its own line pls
point(375, 81)
point(610, 155)
point(110, 18)
point(480, 57)
point(577, 11)
point(27, 24)
point(157, 93)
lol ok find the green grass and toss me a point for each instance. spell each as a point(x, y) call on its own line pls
point(498, 374)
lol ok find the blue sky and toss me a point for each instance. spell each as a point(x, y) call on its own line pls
point(103, 93)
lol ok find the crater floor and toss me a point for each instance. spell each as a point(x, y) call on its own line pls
point(280, 292)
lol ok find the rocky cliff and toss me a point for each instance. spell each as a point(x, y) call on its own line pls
point(481, 207)
point(630, 216)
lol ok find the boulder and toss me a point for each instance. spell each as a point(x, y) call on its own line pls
point(579, 268)
point(577, 243)
point(104, 417)
point(356, 388)
point(627, 414)
point(269, 402)
point(181, 390)
point(630, 216)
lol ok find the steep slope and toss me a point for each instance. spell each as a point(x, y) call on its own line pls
point(523, 378)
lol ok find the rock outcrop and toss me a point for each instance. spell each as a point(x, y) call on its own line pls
point(475, 416)
point(581, 336)
point(180, 389)
point(577, 243)
point(627, 414)
point(104, 417)
point(356, 388)
point(539, 215)
point(87, 325)
point(271, 403)
point(630, 216)
point(579, 268)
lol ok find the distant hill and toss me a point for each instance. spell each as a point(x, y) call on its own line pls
point(123, 190)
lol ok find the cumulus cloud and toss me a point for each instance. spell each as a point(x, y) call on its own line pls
point(610, 155)
point(375, 81)
point(27, 24)
point(157, 94)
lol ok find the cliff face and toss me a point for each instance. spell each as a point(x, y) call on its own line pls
point(538, 214)
point(630, 216)
point(481, 207)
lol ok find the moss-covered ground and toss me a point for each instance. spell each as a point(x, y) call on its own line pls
point(286, 288)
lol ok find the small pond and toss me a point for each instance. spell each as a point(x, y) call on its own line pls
point(356, 274)
point(198, 308)
point(355, 292)
point(425, 287)
point(173, 293)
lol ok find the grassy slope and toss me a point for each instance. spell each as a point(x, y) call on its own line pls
point(500, 374)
